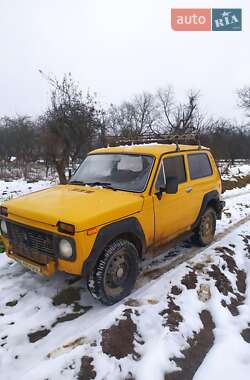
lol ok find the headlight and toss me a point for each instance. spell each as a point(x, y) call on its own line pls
point(65, 249)
point(4, 227)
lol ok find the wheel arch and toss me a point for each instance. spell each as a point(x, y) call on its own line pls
point(129, 229)
point(132, 238)
point(214, 204)
point(211, 199)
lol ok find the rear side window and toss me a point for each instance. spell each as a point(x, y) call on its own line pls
point(199, 166)
point(175, 167)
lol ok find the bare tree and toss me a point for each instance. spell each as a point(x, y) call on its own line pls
point(133, 118)
point(19, 140)
point(244, 99)
point(179, 118)
point(69, 125)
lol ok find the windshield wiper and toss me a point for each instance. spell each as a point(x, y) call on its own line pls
point(106, 185)
point(77, 183)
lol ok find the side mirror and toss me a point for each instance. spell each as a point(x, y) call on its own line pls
point(172, 185)
point(170, 188)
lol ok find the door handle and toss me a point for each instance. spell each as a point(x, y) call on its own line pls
point(188, 189)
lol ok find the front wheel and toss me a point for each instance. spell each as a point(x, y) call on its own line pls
point(204, 235)
point(115, 273)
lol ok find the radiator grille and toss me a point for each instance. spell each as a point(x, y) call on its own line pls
point(30, 241)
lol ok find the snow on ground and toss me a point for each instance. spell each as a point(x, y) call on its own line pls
point(20, 187)
point(234, 171)
point(236, 192)
point(190, 311)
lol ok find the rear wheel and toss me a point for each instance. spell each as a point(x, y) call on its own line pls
point(115, 273)
point(205, 232)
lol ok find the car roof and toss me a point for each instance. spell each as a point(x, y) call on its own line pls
point(154, 149)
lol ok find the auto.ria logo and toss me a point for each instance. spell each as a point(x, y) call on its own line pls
point(206, 19)
point(226, 20)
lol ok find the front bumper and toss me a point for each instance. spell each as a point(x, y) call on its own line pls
point(44, 270)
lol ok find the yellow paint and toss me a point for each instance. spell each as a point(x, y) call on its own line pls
point(90, 210)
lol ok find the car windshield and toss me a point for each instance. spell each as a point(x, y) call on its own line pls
point(129, 172)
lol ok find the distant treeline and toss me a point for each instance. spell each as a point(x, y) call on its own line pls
point(75, 123)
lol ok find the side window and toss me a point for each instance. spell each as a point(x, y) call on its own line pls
point(161, 179)
point(175, 167)
point(199, 166)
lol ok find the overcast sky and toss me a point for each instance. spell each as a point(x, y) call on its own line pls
point(118, 48)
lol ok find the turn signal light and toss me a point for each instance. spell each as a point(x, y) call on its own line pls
point(66, 228)
point(92, 231)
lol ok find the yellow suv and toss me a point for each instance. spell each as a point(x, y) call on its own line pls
point(122, 204)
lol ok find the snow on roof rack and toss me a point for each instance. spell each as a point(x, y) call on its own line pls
point(151, 138)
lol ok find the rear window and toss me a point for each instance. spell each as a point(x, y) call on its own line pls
point(175, 167)
point(199, 166)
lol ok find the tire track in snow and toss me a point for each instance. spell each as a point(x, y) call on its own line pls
point(225, 197)
point(192, 251)
point(174, 262)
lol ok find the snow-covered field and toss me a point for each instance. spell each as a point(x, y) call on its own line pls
point(188, 317)
point(232, 172)
point(20, 187)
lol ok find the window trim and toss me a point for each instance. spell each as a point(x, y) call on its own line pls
point(184, 166)
point(200, 154)
point(161, 166)
point(180, 154)
point(185, 153)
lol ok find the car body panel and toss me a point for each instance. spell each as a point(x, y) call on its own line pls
point(82, 206)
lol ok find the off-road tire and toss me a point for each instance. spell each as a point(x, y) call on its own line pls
point(204, 234)
point(120, 258)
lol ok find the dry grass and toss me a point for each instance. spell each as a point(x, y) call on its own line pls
point(239, 182)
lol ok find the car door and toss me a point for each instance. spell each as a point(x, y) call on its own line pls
point(171, 210)
point(201, 180)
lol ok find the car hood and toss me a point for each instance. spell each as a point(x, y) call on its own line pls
point(84, 207)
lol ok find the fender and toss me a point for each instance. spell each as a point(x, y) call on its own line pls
point(212, 197)
point(110, 232)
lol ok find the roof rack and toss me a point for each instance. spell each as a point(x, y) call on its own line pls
point(152, 138)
